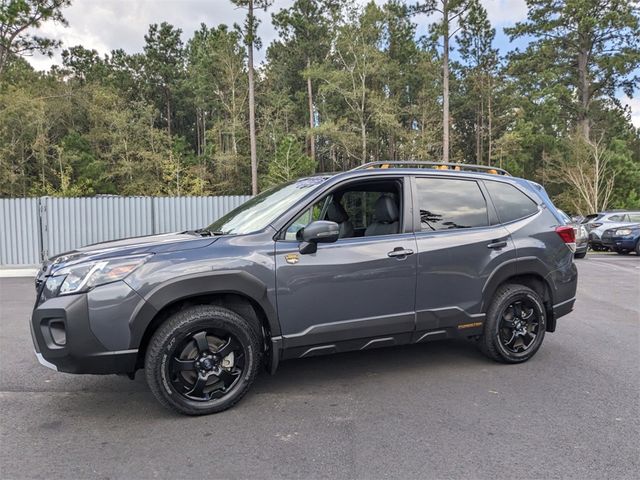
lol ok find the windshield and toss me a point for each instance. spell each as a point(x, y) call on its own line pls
point(260, 211)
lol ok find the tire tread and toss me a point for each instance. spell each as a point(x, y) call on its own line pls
point(180, 320)
point(487, 342)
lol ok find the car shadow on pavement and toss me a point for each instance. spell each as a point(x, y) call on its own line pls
point(346, 368)
point(113, 398)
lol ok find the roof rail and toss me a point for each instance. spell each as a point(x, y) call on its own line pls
point(437, 165)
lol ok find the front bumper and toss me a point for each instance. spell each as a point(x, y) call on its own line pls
point(625, 243)
point(69, 334)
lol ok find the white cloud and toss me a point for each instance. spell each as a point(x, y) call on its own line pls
point(505, 12)
point(105, 25)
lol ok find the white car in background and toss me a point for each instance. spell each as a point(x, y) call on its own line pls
point(597, 223)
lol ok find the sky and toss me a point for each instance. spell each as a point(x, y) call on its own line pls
point(105, 25)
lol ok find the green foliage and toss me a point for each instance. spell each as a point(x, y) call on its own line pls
point(289, 163)
point(588, 47)
point(345, 81)
point(19, 19)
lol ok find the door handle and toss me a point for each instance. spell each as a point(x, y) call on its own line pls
point(497, 244)
point(400, 252)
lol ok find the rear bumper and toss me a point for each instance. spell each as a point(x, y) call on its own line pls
point(64, 341)
point(564, 284)
point(563, 308)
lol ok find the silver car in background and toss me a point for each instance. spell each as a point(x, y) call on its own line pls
point(597, 223)
point(582, 236)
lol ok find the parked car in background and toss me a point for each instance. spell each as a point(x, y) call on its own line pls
point(597, 223)
point(582, 237)
point(622, 240)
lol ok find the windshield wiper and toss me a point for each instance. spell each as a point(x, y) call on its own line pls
point(203, 232)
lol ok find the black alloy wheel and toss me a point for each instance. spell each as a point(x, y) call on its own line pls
point(519, 326)
point(203, 359)
point(206, 365)
point(515, 325)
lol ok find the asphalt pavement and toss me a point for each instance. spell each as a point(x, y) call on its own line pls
point(439, 410)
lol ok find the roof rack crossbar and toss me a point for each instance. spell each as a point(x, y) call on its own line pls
point(461, 166)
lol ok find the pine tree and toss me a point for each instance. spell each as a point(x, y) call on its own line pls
point(591, 47)
point(251, 40)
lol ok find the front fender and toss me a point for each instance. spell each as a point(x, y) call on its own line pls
point(197, 284)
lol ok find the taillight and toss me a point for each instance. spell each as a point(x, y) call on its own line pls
point(568, 236)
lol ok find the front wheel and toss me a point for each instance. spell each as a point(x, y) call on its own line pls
point(202, 360)
point(515, 325)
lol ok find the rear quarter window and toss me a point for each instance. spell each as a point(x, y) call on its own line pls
point(510, 202)
point(447, 204)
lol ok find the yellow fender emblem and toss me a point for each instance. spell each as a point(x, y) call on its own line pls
point(292, 258)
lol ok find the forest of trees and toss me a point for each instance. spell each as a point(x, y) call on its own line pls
point(344, 83)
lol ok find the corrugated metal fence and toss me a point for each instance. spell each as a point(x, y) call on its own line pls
point(35, 228)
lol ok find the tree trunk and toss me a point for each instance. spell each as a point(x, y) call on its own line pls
point(478, 161)
point(584, 92)
point(445, 82)
point(198, 143)
point(252, 110)
point(363, 137)
point(482, 128)
point(4, 56)
point(168, 97)
point(312, 141)
point(490, 119)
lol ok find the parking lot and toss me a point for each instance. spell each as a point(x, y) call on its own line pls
point(439, 410)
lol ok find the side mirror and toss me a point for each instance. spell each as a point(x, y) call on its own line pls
point(316, 232)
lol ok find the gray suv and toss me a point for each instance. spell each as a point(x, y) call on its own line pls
point(387, 254)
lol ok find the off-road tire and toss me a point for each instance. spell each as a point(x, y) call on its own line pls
point(490, 343)
point(177, 327)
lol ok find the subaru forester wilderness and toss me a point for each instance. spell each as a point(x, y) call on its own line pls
point(369, 258)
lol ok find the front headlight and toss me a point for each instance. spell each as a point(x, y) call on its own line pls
point(623, 231)
point(85, 276)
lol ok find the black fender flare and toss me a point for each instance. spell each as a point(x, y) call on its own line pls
point(197, 284)
point(514, 268)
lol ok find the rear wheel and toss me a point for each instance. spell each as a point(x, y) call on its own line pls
point(622, 251)
point(515, 325)
point(202, 360)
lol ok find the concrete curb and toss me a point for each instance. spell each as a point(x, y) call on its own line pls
point(18, 272)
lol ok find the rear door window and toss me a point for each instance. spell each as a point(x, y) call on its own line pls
point(447, 203)
point(510, 202)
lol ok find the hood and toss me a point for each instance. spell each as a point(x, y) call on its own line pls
point(150, 244)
